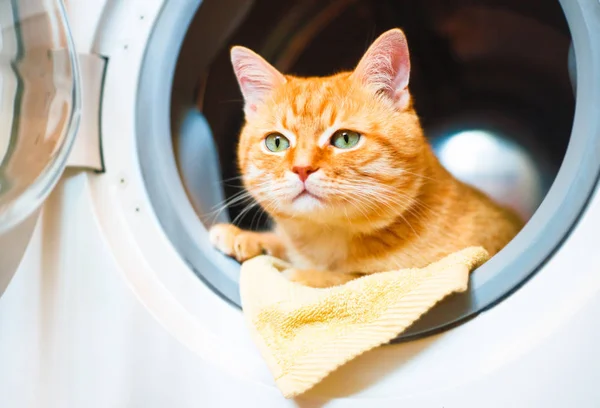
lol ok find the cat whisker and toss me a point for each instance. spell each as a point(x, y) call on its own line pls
point(238, 198)
point(243, 213)
point(218, 212)
point(368, 202)
point(383, 190)
point(243, 195)
point(419, 175)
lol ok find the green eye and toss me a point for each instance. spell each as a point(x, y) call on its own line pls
point(276, 142)
point(345, 139)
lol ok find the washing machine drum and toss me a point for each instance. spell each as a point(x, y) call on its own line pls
point(493, 81)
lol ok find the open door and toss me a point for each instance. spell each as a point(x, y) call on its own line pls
point(39, 117)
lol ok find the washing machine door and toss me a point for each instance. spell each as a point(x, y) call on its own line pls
point(39, 117)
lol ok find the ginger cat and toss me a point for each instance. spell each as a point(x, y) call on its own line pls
point(342, 166)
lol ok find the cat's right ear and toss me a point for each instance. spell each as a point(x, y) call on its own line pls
point(256, 77)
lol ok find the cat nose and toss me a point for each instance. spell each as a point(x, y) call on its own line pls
point(304, 171)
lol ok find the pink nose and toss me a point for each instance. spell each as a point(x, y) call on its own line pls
point(304, 171)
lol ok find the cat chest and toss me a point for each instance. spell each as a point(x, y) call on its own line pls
point(319, 251)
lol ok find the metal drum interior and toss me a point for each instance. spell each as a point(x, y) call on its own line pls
point(492, 85)
point(494, 72)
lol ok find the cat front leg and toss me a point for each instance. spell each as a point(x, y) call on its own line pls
point(319, 279)
point(243, 245)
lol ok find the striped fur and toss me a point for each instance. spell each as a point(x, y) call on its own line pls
point(385, 204)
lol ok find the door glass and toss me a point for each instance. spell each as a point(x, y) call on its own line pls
point(39, 103)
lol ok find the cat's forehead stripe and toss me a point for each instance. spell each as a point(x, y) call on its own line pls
point(312, 103)
point(284, 120)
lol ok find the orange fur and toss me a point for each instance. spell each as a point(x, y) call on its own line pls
point(387, 203)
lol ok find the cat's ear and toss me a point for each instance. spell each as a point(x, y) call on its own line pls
point(256, 77)
point(385, 67)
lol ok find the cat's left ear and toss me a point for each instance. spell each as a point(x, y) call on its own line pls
point(385, 67)
point(256, 77)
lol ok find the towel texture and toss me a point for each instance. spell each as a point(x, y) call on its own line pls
point(305, 333)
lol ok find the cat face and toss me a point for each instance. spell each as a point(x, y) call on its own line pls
point(334, 149)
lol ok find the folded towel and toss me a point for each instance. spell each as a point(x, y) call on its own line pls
point(305, 333)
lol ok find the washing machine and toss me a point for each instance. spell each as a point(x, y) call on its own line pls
point(119, 125)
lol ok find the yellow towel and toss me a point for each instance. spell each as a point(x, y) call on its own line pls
point(305, 333)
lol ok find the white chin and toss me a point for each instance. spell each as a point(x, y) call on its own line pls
point(306, 203)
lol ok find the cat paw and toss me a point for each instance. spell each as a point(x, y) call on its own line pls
point(234, 242)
